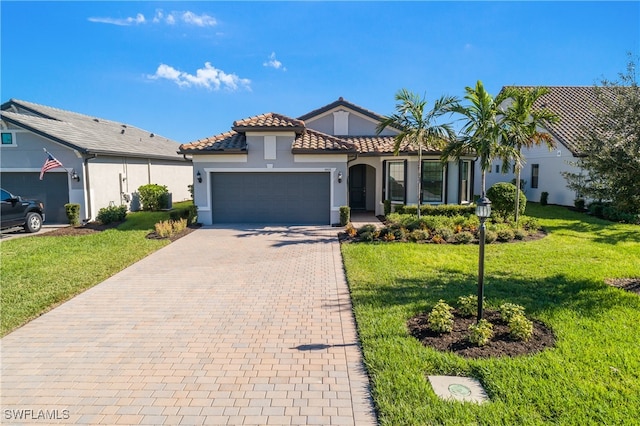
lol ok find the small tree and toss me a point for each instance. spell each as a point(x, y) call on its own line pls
point(610, 146)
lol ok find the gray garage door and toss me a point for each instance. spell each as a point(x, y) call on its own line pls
point(275, 198)
point(53, 191)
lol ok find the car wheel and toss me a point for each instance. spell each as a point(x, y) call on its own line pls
point(33, 223)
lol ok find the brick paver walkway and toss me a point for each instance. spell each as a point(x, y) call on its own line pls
point(238, 327)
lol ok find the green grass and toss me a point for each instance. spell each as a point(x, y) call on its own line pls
point(38, 273)
point(592, 376)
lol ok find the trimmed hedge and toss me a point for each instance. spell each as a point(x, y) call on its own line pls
point(503, 199)
point(107, 215)
point(449, 210)
point(153, 197)
point(73, 213)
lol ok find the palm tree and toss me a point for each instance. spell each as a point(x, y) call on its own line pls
point(418, 127)
point(523, 127)
point(482, 130)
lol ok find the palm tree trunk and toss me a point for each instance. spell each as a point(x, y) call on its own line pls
point(419, 178)
point(517, 193)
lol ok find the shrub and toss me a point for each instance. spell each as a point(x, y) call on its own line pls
point(544, 198)
point(387, 207)
point(480, 333)
point(345, 215)
point(368, 228)
point(73, 213)
point(468, 305)
point(190, 188)
point(448, 210)
point(509, 310)
point(529, 223)
point(110, 214)
point(520, 234)
point(505, 235)
point(503, 199)
point(350, 230)
point(440, 318)
point(490, 236)
point(597, 209)
point(444, 232)
point(169, 228)
point(464, 237)
point(520, 327)
point(366, 236)
point(399, 234)
point(579, 203)
point(190, 213)
point(153, 197)
point(418, 235)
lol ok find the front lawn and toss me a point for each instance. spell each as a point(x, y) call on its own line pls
point(40, 272)
point(592, 376)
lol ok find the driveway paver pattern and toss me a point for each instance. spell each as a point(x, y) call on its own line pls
point(246, 326)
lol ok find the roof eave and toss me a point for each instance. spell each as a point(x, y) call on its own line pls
point(244, 129)
point(46, 135)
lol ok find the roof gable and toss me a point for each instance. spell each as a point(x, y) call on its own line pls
point(269, 121)
point(86, 134)
point(341, 103)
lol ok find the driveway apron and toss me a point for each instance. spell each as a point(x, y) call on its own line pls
point(246, 326)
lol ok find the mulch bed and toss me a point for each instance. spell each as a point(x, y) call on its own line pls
point(95, 227)
point(501, 343)
point(628, 284)
point(343, 237)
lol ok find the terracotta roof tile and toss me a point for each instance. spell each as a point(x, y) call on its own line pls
point(268, 121)
point(314, 141)
point(224, 142)
point(576, 106)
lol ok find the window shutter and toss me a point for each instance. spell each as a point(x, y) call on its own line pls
point(404, 201)
point(384, 180)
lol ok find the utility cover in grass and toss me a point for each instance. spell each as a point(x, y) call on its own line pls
point(456, 388)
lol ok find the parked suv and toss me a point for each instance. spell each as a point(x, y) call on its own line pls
point(19, 212)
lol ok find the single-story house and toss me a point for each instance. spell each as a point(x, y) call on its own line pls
point(105, 162)
point(271, 168)
point(576, 107)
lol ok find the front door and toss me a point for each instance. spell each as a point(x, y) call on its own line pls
point(358, 187)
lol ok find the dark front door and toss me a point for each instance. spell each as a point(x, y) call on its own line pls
point(358, 187)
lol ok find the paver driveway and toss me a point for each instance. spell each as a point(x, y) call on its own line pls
point(245, 326)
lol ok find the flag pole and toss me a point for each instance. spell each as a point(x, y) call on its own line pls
point(73, 175)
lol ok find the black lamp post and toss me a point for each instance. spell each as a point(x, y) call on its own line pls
point(483, 211)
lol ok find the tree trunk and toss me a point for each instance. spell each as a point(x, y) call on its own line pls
point(517, 193)
point(419, 178)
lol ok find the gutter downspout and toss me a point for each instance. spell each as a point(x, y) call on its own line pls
point(87, 187)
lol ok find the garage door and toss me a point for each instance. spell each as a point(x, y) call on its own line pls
point(53, 191)
point(274, 198)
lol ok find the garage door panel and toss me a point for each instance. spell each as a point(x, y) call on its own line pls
point(53, 191)
point(272, 197)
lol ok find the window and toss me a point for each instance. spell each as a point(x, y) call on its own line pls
point(8, 138)
point(465, 181)
point(497, 168)
point(535, 172)
point(395, 184)
point(432, 182)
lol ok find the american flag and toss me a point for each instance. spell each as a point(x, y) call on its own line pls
point(50, 164)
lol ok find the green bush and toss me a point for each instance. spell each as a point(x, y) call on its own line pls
point(190, 213)
point(597, 209)
point(464, 237)
point(345, 215)
point(440, 318)
point(529, 223)
point(503, 199)
point(449, 210)
point(366, 228)
point(490, 236)
point(444, 232)
point(480, 333)
point(520, 327)
point(153, 197)
point(520, 234)
point(110, 214)
point(509, 310)
point(73, 213)
point(387, 207)
point(418, 235)
point(468, 305)
point(367, 236)
point(579, 203)
point(544, 198)
point(505, 235)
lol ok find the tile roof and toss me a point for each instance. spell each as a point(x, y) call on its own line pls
point(224, 142)
point(377, 144)
point(311, 141)
point(341, 102)
point(268, 121)
point(86, 134)
point(577, 107)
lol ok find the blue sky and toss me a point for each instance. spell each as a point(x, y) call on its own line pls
point(187, 70)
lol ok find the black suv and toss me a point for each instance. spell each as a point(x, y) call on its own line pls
point(18, 212)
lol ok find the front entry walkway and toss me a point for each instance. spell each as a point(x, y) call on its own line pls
point(224, 326)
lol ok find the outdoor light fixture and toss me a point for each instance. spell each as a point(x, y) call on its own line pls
point(483, 211)
point(199, 177)
point(339, 177)
point(75, 176)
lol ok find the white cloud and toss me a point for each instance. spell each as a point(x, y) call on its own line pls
point(274, 63)
point(139, 19)
point(208, 77)
point(160, 17)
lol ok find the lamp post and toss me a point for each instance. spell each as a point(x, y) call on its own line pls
point(483, 211)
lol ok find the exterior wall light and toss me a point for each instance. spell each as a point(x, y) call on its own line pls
point(75, 176)
point(483, 211)
point(199, 177)
point(339, 177)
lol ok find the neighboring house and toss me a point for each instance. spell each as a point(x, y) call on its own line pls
point(275, 169)
point(106, 161)
point(576, 107)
